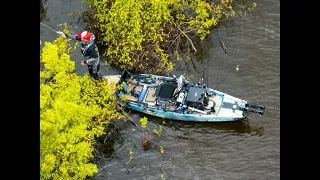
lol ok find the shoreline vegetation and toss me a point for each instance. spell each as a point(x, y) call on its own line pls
point(150, 36)
point(43, 10)
point(144, 36)
point(74, 111)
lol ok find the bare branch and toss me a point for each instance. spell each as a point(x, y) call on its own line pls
point(98, 153)
point(139, 58)
point(178, 44)
point(188, 39)
point(175, 39)
point(190, 30)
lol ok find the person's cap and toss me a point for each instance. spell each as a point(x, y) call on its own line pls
point(84, 35)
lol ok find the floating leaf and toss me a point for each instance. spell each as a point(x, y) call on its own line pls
point(161, 149)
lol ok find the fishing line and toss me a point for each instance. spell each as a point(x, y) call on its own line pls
point(224, 49)
point(222, 80)
point(49, 27)
point(237, 69)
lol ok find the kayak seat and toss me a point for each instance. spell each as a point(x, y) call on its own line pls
point(165, 91)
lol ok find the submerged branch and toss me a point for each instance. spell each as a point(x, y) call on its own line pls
point(126, 115)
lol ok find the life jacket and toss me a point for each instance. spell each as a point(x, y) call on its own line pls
point(90, 52)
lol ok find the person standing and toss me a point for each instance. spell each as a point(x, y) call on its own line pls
point(89, 50)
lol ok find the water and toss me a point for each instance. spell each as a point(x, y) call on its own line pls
point(248, 149)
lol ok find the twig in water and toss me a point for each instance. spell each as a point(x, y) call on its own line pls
point(104, 141)
point(126, 168)
point(99, 154)
point(126, 115)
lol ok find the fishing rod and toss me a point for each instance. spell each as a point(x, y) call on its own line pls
point(49, 27)
point(207, 77)
point(204, 75)
point(205, 71)
point(224, 49)
point(221, 43)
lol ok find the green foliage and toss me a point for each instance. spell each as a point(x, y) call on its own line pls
point(131, 155)
point(161, 149)
point(144, 122)
point(73, 111)
point(242, 7)
point(141, 35)
point(158, 131)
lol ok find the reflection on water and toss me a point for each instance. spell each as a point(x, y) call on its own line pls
point(187, 147)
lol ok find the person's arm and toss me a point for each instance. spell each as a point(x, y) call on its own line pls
point(73, 37)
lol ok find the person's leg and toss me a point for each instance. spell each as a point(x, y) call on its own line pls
point(90, 69)
point(98, 68)
point(95, 70)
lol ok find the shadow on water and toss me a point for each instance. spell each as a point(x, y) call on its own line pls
point(232, 127)
point(104, 146)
